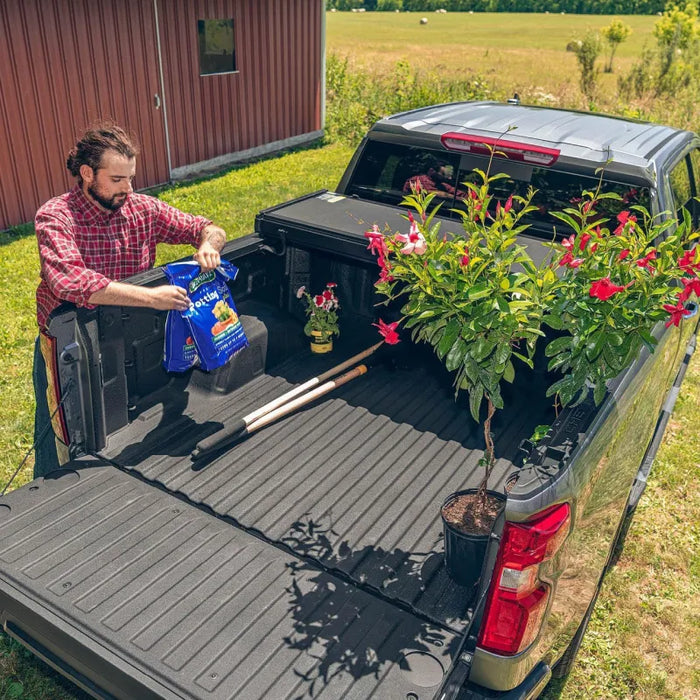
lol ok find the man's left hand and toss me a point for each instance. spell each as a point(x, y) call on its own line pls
point(207, 256)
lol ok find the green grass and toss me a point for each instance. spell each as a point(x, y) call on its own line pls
point(643, 638)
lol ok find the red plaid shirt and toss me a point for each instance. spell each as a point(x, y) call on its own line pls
point(83, 248)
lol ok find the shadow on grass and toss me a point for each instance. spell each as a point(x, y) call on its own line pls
point(554, 689)
point(23, 675)
point(16, 233)
point(214, 173)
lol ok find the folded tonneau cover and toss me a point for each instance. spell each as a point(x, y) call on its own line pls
point(138, 594)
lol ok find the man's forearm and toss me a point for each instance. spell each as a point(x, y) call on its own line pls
point(162, 297)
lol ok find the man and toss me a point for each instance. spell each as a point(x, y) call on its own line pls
point(94, 236)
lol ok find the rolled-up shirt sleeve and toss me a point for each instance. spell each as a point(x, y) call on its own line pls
point(174, 226)
point(62, 265)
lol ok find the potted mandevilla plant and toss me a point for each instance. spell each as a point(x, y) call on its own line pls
point(478, 299)
point(618, 280)
point(322, 312)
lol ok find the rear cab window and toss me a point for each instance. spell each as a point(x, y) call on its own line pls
point(385, 172)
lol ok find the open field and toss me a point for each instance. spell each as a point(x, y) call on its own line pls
point(643, 642)
point(523, 53)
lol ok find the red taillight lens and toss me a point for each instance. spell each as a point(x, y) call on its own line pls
point(517, 599)
point(513, 150)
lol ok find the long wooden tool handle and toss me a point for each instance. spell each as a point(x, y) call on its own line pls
point(306, 386)
point(310, 396)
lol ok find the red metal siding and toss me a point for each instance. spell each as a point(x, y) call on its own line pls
point(65, 65)
point(275, 93)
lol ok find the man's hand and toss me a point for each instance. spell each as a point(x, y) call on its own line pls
point(207, 256)
point(166, 297)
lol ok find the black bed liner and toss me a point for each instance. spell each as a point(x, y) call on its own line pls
point(144, 596)
point(352, 483)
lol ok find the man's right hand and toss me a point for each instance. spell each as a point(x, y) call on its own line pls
point(167, 296)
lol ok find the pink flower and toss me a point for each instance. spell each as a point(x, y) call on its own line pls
point(690, 285)
point(586, 208)
point(677, 312)
point(414, 242)
point(388, 331)
point(568, 243)
point(604, 289)
point(465, 258)
point(300, 292)
point(644, 262)
point(623, 254)
point(624, 218)
point(584, 239)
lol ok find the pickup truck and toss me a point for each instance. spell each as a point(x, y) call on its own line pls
point(307, 559)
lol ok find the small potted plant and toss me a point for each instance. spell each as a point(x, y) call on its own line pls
point(478, 300)
point(617, 280)
point(322, 312)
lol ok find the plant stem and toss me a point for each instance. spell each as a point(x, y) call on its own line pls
point(489, 456)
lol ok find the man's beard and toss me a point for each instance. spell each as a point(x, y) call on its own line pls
point(113, 203)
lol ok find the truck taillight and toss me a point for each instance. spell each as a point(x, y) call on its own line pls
point(513, 150)
point(517, 599)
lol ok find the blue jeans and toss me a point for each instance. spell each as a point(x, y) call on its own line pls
point(45, 456)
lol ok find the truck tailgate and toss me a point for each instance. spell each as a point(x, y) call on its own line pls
point(135, 593)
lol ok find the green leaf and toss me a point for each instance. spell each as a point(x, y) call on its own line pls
point(554, 321)
point(476, 394)
point(558, 345)
point(455, 356)
point(448, 337)
point(595, 345)
point(599, 392)
point(478, 291)
point(502, 305)
point(509, 373)
point(502, 354)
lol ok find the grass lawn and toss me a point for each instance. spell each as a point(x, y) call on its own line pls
point(643, 640)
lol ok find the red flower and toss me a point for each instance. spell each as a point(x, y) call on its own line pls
point(623, 254)
point(677, 312)
point(377, 244)
point(584, 239)
point(586, 208)
point(509, 204)
point(604, 289)
point(624, 217)
point(687, 262)
point(331, 285)
point(327, 294)
point(318, 300)
point(644, 262)
point(388, 331)
point(568, 259)
point(690, 285)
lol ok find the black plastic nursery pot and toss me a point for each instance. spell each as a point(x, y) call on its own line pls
point(465, 552)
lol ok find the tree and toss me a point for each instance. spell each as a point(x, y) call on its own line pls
point(586, 53)
point(615, 33)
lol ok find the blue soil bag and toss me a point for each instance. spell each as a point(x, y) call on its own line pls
point(209, 331)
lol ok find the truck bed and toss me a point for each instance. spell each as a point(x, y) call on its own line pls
point(351, 484)
point(134, 593)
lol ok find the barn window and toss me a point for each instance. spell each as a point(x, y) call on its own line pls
point(217, 50)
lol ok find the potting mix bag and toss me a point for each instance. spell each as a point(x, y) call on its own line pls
point(211, 323)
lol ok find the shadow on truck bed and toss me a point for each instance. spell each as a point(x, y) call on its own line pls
point(352, 483)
